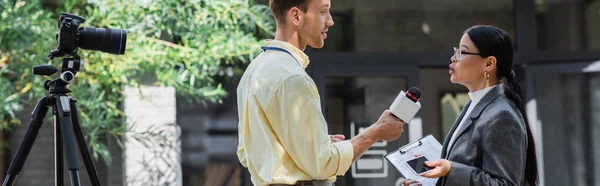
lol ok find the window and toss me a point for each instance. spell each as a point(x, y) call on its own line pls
point(565, 25)
point(413, 26)
point(451, 106)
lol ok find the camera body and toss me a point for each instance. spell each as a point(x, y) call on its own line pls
point(67, 35)
point(71, 37)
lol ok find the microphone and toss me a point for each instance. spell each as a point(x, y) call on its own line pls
point(406, 105)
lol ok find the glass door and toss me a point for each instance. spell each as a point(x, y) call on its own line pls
point(353, 96)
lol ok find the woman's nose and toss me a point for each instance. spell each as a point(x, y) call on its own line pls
point(453, 59)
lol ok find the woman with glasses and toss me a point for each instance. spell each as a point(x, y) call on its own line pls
point(491, 142)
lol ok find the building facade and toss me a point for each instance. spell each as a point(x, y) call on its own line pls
point(377, 48)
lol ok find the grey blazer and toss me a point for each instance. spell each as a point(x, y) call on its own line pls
point(491, 146)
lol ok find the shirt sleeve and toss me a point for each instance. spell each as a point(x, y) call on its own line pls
point(294, 112)
point(241, 153)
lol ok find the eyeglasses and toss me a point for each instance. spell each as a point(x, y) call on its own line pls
point(458, 53)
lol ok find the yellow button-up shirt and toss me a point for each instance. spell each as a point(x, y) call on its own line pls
point(283, 136)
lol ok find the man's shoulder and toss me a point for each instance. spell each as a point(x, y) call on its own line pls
point(266, 74)
point(277, 66)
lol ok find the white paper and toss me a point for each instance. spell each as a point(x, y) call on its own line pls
point(430, 148)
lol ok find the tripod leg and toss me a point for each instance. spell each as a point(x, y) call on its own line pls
point(59, 164)
point(85, 154)
point(37, 118)
point(64, 113)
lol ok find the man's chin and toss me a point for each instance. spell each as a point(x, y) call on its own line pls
point(318, 45)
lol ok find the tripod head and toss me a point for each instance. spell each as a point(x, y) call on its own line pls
point(70, 67)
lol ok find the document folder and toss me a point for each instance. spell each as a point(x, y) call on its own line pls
point(427, 147)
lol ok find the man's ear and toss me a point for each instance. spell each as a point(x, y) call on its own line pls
point(295, 16)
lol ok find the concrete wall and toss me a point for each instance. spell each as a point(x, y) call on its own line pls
point(156, 158)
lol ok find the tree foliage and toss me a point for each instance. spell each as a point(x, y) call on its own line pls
point(193, 46)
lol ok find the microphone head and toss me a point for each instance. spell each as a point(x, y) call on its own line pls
point(414, 94)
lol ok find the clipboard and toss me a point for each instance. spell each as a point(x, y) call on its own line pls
point(427, 146)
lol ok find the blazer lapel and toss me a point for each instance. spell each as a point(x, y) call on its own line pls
point(477, 110)
point(456, 122)
point(442, 180)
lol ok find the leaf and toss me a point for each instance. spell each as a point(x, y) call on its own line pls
point(11, 97)
point(26, 88)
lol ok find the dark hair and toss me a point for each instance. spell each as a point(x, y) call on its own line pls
point(493, 41)
point(280, 7)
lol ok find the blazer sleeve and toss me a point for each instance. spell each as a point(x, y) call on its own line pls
point(504, 147)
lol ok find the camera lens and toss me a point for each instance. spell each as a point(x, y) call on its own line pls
point(103, 39)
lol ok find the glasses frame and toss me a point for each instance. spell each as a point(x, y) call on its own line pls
point(458, 54)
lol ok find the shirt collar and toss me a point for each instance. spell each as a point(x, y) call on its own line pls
point(297, 53)
point(478, 95)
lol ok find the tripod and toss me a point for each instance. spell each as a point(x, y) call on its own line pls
point(67, 131)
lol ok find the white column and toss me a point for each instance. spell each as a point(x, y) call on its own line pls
point(155, 160)
point(536, 129)
point(415, 129)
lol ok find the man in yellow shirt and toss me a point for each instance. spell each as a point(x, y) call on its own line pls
point(283, 138)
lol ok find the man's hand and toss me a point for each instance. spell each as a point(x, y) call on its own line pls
point(337, 138)
point(389, 126)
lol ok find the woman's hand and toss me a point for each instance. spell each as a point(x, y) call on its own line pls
point(442, 168)
point(409, 182)
point(337, 138)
